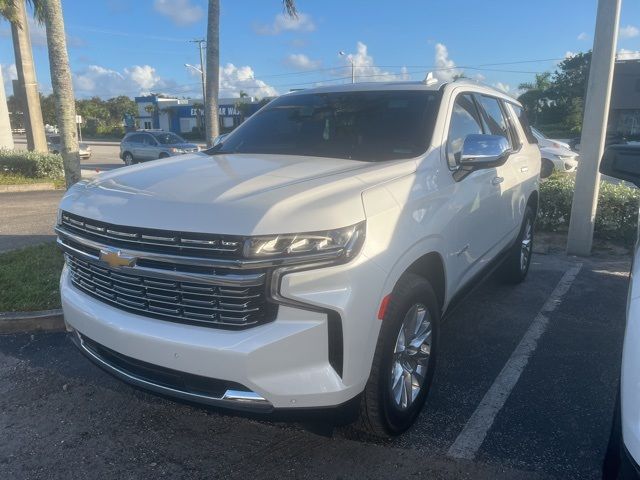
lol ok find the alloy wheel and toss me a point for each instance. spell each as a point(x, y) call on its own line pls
point(411, 356)
point(526, 245)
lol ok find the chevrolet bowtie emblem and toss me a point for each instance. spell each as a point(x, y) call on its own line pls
point(115, 258)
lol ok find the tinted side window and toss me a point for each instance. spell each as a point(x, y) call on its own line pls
point(148, 140)
point(464, 121)
point(493, 118)
point(524, 122)
point(134, 139)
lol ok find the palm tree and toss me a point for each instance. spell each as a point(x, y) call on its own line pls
point(62, 84)
point(15, 12)
point(536, 96)
point(213, 65)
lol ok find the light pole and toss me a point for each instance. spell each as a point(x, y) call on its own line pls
point(203, 76)
point(353, 74)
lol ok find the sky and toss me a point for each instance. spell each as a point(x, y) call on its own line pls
point(125, 47)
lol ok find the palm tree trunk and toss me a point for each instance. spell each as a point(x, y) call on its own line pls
point(34, 125)
point(213, 72)
point(6, 138)
point(62, 90)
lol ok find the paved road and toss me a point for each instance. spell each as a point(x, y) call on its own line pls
point(104, 155)
point(62, 417)
point(27, 218)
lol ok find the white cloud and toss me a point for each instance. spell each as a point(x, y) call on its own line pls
point(38, 34)
point(445, 67)
point(234, 79)
point(583, 36)
point(624, 54)
point(365, 69)
point(629, 31)
point(302, 23)
point(180, 12)
point(104, 82)
point(301, 62)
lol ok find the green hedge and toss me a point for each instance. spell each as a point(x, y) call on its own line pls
point(31, 164)
point(616, 217)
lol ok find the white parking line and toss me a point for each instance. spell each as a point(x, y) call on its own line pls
point(476, 429)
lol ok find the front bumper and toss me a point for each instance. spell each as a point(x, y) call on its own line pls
point(281, 364)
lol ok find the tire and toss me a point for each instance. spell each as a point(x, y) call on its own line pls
point(547, 168)
point(516, 266)
point(128, 159)
point(164, 155)
point(383, 411)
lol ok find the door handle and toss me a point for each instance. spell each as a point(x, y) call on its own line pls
point(497, 180)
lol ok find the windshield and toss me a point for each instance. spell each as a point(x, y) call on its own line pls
point(367, 125)
point(168, 138)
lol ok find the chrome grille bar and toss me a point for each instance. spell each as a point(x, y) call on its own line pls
point(169, 300)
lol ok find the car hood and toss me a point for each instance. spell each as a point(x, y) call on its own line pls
point(239, 194)
point(559, 152)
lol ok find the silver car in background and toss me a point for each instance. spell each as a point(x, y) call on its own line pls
point(556, 155)
point(141, 146)
point(54, 146)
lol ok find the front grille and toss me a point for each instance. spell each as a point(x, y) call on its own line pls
point(153, 240)
point(185, 302)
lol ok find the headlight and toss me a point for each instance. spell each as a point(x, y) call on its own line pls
point(342, 243)
point(177, 150)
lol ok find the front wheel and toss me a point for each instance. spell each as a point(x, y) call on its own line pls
point(404, 361)
point(128, 159)
point(516, 265)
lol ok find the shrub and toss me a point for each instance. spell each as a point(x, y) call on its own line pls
point(31, 164)
point(616, 217)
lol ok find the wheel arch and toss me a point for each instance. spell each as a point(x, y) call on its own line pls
point(533, 201)
point(431, 267)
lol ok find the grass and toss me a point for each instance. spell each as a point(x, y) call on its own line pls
point(29, 278)
point(22, 180)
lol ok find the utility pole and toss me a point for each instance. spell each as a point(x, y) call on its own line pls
point(594, 127)
point(203, 75)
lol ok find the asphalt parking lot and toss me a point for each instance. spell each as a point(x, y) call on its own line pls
point(545, 411)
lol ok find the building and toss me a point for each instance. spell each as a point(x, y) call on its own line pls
point(185, 116)
point(624, 113)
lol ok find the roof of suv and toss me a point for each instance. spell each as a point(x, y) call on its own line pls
point(434, 85)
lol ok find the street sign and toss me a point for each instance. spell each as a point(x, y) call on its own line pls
point(78, 119)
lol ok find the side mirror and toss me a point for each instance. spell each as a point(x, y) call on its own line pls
point(623, 162)
point(484, 151)
point(219, 139)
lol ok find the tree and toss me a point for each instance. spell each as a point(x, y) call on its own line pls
point(15, 12)
point(213, 65)
point(536, 96)
point(62, 84)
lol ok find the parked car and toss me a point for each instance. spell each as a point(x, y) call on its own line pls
point(54, 145)
point(556, 155)
point(141, 146)
point(623, 454)
point(307, 260)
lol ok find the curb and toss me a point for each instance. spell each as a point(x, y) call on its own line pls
point(27, 322)
point(28, 187)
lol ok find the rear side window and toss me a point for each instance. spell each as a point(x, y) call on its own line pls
point(524, 122)
point(494, 118)
point(134, 139)
point(464, 121)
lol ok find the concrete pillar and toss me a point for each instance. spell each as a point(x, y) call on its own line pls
point(6, 137)
point(594, 127)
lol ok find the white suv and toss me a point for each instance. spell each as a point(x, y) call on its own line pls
point(306, 260)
